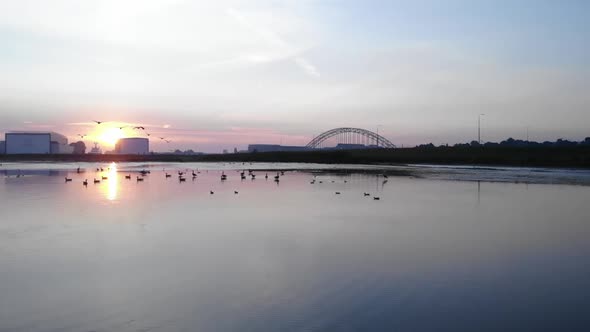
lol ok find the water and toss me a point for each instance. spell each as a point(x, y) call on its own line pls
point(433, 254)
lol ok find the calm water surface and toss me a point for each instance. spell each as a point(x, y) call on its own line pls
point(161, 255)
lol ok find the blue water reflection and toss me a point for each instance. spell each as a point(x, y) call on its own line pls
point(165, 255)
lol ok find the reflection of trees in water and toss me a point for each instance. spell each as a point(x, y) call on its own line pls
point(16, 172)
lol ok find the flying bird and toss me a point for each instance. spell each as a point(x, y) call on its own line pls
point(162, 137)
point(148, 134)
point(139, 127)
point(82, 136)
point(167, 141)
point(98, 122)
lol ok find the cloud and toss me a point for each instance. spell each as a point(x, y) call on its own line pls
point(280, 49)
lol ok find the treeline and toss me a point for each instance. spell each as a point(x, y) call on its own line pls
point(511, 142)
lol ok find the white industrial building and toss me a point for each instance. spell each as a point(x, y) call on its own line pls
point(36, 143)
point(132, 145)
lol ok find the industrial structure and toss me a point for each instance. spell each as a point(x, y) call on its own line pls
point(334, 139)
point(36, 143)
point(132, 145)
point(274, 148)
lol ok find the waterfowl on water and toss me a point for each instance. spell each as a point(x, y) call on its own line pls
point(85, 182)
point(366, 194)
point(139, 179)
point(128, 177)
point(337, 193)
point(96, 181)
point(104, 178)
point(376, 198)
point(181, 179)
point(211, 192)
point(68, 179)
point(266, 176)
point(235, 192)
point(168, 175)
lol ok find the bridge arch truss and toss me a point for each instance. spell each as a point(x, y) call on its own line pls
point(347, 135)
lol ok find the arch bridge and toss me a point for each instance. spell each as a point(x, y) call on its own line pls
point(348, 135)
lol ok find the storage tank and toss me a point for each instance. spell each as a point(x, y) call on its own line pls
point(132, 145)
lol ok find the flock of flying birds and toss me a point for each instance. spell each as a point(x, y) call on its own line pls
point(123, 127)
point(182, 178)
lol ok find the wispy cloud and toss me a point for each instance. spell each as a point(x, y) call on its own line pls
point(280, 49)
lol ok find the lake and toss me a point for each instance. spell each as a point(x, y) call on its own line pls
point(443, 249)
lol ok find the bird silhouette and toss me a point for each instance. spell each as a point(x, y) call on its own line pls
point(376, 198)
point(82, 136)
point(235, 192)
point(139, 179)
point(128, 177)
point(211, 192)
point(162, 137)
point(68, 179)
point(85, 182)
point(96, 181)
point(139, 127)
point(98, 122)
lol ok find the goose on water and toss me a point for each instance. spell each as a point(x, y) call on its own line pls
point(139, 179)
point(128, 177)
point(68, 179)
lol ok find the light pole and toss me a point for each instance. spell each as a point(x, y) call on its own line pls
point(479, 127)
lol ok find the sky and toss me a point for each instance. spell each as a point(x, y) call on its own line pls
point(212, 75)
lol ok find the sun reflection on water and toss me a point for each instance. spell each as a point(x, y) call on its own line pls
point(112, 182)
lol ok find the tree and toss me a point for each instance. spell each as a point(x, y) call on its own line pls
point(79, 147)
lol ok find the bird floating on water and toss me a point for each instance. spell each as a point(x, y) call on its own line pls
point(68, 179)
point(85, 182)
point(128, 177)
point(139, 179)
point(96, 181)
point(376, 198)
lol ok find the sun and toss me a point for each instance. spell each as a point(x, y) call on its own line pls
point(110, 136)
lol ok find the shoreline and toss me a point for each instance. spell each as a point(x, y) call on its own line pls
point(550, 157)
